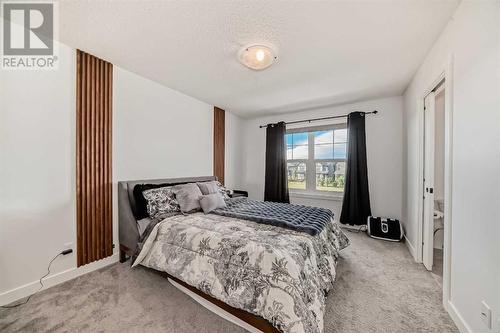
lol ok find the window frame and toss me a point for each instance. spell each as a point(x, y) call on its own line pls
point(310, 162)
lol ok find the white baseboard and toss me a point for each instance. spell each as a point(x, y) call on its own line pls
point(457, 318)
point(411, 248)
point(55, 279)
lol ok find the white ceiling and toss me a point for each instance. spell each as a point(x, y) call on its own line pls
point(329, 52)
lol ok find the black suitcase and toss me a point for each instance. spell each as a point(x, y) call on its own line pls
point(385, 228)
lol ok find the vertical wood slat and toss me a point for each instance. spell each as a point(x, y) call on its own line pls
point(219, 143)
point(109, 234)
point(106, 153)
point(79, 197)
point(99, 220)
point(93, 168)
point(87, 128)
point(93, 160)
point(101, 158)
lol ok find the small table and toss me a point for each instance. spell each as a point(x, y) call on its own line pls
point(238, 193)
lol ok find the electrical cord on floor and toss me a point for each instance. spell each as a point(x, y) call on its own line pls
point(41, 286)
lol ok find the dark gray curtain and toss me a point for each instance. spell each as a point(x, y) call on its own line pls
point(276, 186)
point(356, 204)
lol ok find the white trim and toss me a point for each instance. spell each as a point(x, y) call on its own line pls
point(411, 249)
point(428, 198)
point(215, 309)
point(311, 160)
point(55, 279)
point(457, 318)
point(420, 175)
point(448, 180)
point(314, 195)
point(440, 89)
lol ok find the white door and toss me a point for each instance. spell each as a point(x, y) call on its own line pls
point(428, 236)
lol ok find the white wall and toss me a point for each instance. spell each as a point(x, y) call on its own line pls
point(384, 154)
point(472, 38)
point(157, 133)
point(37, 171)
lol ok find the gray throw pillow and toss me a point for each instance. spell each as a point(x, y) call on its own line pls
point(211, 202)
point(208, 187)
point(188, 196)
point(213, 187)
point(161, 202)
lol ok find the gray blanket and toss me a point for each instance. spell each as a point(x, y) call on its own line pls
point(311, 220)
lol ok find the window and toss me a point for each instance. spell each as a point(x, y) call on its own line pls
point(316, 158)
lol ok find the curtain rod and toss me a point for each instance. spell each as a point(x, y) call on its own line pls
point(317, 119)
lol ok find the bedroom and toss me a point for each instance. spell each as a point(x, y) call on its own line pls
point(177, 100)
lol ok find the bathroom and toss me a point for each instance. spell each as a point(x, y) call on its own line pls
point(439, 160)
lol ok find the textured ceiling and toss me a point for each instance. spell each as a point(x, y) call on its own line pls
point(329, 52)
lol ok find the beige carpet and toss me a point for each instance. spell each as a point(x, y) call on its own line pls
point(379, 289)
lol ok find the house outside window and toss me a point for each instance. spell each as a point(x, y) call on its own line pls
point(316, 159)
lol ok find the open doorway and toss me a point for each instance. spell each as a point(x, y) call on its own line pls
point(434, 181)
point(434, 243)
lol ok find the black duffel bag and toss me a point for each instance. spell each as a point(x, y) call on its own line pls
point(385, 228)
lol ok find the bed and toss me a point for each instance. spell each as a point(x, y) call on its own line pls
point(262, 277)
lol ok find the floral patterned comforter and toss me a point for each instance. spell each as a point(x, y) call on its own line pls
point(279, 274)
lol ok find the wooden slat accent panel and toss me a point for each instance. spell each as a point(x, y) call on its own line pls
point(219, 141)
point(94, 92)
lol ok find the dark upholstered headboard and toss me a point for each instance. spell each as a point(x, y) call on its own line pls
point(128, 231)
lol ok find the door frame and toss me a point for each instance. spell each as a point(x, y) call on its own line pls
point(445, 73)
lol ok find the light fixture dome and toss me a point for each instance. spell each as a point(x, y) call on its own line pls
point(257, 57)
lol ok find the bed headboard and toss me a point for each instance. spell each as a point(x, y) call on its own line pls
point(127, 223)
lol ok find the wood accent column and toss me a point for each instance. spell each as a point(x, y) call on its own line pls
point(219, 142)
point(94, 92)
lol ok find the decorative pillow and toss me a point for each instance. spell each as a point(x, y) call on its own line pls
point(208, 187)
point(188, 197)
point(213, 187)
point(141, 204)
point(161, 202)
point(224, 191)
point(210, 202)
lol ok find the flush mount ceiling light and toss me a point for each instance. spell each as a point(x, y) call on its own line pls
point(257, 57)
